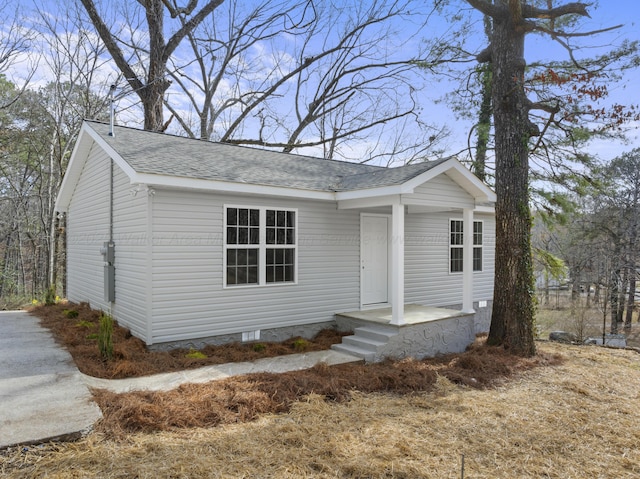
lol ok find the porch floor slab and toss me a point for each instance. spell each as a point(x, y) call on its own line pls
point(413, 314)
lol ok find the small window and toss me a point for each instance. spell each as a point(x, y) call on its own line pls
point(477, 245)
point(456, 246)
point(260, 246)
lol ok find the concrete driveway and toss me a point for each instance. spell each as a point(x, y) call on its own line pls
point(42, 395)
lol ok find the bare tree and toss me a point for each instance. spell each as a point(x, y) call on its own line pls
point(143, 58)
point(295, 75)
point(15, 42)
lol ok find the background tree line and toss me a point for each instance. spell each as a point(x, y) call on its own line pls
point(597, 243)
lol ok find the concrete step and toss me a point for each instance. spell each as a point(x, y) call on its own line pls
point(366, 354)
point(363, 342)
point(376, 333)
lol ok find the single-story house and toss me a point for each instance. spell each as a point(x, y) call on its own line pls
point(187, 241)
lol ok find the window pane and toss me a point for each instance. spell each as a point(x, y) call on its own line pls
point(280, 265)
point(232, 216)
point(477, 259)
point(243, 235)
point(254, 236)
point(291, 219)
point(271, 236)
point(271, 274)
point(477, 233)
point(288, 273)
point(231, 276)
point(252, 277)
point(456, 260)
point(282, 218)
point(243, 217)
point(242, 266)
point(291, 236)
point(271, 218)
point(242, 276)
point(232, 235)
point(242, 257)
point(255, 217)
point(280, 236)
point(456, 232)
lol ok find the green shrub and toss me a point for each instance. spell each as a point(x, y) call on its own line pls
point(300, 344)
point(92, 336)
point(105, 336)
point(84, 324)
point(50, 296)
point(258, 347)
point(195, 354)
point(70, 313)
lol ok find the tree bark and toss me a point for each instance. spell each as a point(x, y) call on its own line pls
point(513, 303)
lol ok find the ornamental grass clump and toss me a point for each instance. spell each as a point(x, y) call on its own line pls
point(105, 337)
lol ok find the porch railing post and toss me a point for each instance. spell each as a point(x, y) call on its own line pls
point(467, 261)
point(397, 264)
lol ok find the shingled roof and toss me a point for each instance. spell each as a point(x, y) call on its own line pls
point(169, 155)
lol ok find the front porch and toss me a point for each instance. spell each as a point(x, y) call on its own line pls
point(426, 332)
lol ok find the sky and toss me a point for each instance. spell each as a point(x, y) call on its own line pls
point(612, 12)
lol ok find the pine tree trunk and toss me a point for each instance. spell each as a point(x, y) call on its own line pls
point(513, 306)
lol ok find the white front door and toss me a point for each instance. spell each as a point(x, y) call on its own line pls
point(374, 251)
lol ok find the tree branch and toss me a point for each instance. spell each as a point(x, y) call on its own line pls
point(574, 8)
point(487, 8)
point(188, 27)
point(112, 46)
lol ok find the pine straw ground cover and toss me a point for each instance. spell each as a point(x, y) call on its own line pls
point(576, 419)
point(77, 331)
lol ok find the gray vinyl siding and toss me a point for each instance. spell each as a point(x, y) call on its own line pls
point(189, 300)
point(441, 191)
point(129, 235)
point(87, 230)
point(427, 277)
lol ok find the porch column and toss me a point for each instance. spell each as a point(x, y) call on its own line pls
point(397, 263)
point(467, 261)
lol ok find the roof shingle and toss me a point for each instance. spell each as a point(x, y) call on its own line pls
point(163, 154)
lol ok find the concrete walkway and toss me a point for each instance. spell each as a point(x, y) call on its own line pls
point(44, 397)
point(168, 381)
point(42, 394)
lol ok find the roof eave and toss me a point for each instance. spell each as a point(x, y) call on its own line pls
point(169, 181)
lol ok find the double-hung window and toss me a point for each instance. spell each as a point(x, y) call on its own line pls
point(456, 245)
point(260, 245)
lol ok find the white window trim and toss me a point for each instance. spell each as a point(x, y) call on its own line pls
point(261, 247)
point(450, 246)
